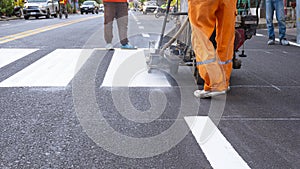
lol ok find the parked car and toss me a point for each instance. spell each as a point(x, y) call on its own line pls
point(37, 8)
point(89, 6)
point(149, 7)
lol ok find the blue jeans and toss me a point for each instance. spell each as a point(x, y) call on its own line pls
point(276, 5)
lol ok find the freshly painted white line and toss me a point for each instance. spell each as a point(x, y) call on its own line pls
point(277, 88)
point(295, 44)
point(141, 27)
point(214, 145)
point(55, 69)
point(259, 35)
point(268, 52)
point(260, 119)
point(145, 35)
point(276, 39)
point(128, 69)
point(8, 56)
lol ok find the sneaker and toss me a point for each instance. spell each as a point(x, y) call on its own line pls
point(207, 94)
point(271, 42)
point(284, 42)
point(109, 46)
point(127, 46)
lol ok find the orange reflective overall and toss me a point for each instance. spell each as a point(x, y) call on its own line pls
point(214, 65)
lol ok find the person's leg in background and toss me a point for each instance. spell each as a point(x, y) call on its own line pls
point(269, 18)
point(109, 15)
point(280, 16)
point(122, 21)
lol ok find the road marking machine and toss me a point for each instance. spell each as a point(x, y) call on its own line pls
point(174, 48)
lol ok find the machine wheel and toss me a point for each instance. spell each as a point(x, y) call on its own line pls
point(174, 68)
point(60, 15)
point(199, 80)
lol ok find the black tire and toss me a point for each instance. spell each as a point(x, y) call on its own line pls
point(36, 17)
point(56, 13)
point(86, 12)
point(26, 17)
point(66, 15)
point(81, 13)
point(48, 14)
point(60, 15)
point(174, 68)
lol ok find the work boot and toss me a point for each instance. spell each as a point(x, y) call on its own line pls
point(208, 94)
point(202, 94)
point(284, 42)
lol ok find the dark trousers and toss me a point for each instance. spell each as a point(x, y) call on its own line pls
point(118, 10)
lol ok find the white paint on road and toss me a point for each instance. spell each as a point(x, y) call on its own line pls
point(53, 70)
point(145, 35)
point(128, 69)
point(8, 56)
point(214, 145)
point(141, 27)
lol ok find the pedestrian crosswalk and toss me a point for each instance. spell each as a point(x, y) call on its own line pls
point(8, 56)
point(127, 68)
point(57, 69)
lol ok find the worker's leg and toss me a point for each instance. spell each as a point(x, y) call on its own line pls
point(109, 15)
point(122, 21)
point(226, 15)
point(202, 18)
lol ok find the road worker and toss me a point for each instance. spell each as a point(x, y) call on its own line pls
point(214, 65)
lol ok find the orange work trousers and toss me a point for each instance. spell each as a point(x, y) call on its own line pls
point(214, 65)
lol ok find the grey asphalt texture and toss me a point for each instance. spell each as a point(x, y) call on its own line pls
point(40, 127)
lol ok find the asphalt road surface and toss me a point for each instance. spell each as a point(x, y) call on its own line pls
point(66, 102)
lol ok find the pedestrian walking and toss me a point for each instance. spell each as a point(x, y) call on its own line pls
point(214, 65)
point(278, 7)
point(116, 9)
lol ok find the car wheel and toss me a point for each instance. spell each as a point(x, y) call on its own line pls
point(86, 12)
point(48, 14)
point(93, 12)
point(26, 17)
point(81, 13)
point(56, 13)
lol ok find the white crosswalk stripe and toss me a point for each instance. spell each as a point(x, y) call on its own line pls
point(55, 69)
point(8, 56)
point(128, 69)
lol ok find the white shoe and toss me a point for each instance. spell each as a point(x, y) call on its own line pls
point(109, 46)
point(207, 94)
